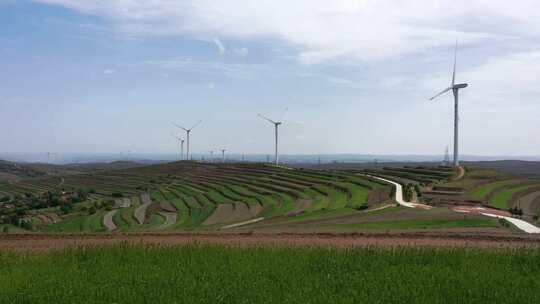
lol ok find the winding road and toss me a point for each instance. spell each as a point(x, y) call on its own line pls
point(520, 224)
point(399, 195)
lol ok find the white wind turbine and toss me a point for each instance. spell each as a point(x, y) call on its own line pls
point(276, 126)
point(455, 90)
point(188, 131)
point(181, 142)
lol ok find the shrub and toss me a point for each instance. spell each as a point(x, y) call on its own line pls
point(66, 208)
point(5, 229)
point(516, 211)
point(117, 194)
point(91, 210)
point(361, 207)
point(504, 222)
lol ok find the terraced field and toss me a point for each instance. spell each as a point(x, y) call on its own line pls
point(189, 195)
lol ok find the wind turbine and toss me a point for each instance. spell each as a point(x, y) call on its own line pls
point(455, 90)
point(188, 131)
point(181, 141)
point(223, 155)
point(211, 156)
point(276, 126)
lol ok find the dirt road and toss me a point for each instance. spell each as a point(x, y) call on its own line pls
point(108, 220)
point(33, 242)
point(140, 212)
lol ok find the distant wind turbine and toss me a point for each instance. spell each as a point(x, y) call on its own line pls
point(188, 131)
point(455, 90)
point(181, 142)
point(276, 126)
point(223, 155)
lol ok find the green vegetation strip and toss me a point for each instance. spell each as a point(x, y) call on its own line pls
point(215, 274)
point(481, 191)
point(502, 198)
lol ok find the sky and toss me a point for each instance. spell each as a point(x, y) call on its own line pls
point(108, 76)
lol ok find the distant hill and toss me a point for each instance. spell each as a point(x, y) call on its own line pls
point(10, 171)
point(514, 167)
point(13, 171)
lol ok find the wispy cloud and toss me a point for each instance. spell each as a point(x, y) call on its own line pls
point(220, 46)
point(324, 30)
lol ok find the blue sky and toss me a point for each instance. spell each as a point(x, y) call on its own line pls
point(110, 76)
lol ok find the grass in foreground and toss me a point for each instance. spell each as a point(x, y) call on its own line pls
point(216, 274)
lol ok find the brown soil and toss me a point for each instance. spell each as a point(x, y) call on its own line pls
point(37, 242)
point(167, 207)
point(529, 202)
point(232, 213)
point(140, 212)
point(300, 206)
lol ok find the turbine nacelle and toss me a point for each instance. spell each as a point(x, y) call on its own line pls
point(460, 86)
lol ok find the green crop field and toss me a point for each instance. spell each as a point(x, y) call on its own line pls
point(502, 198)
point(216, 274)
point(483, 190)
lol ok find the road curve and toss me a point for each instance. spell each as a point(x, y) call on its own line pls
point(399, 195)
point(520, 224)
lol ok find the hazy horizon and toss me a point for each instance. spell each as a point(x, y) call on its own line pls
point(92, 76)
point(68, 158)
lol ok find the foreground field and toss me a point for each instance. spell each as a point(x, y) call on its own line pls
point(217, 274)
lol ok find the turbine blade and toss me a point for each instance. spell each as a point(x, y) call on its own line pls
point(442, 92)
point(266, 118)
point(179, 126)
point(455, 61)
point(196, 124)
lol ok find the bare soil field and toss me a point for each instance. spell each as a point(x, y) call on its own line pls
point(44, 242)
point(231, 213)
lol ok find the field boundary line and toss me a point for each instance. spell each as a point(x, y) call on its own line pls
point(243, 223)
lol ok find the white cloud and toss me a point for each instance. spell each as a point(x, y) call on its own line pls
point(220, 46)
point(211, 85)
point(108, 71)
point(241, 51)
point(323, 30)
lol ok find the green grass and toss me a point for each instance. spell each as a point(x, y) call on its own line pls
point(215, 274)
point(72, 224)
point(422, 224)
point(82, 223)
point(502, 198)
point(482, 191)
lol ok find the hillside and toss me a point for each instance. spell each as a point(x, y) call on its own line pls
point(185, 196)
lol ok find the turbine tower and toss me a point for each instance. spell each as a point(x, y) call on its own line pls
point(181, 142)
point(223, 155)
point(276, 126)
point(188, 131)
point(455, 90)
